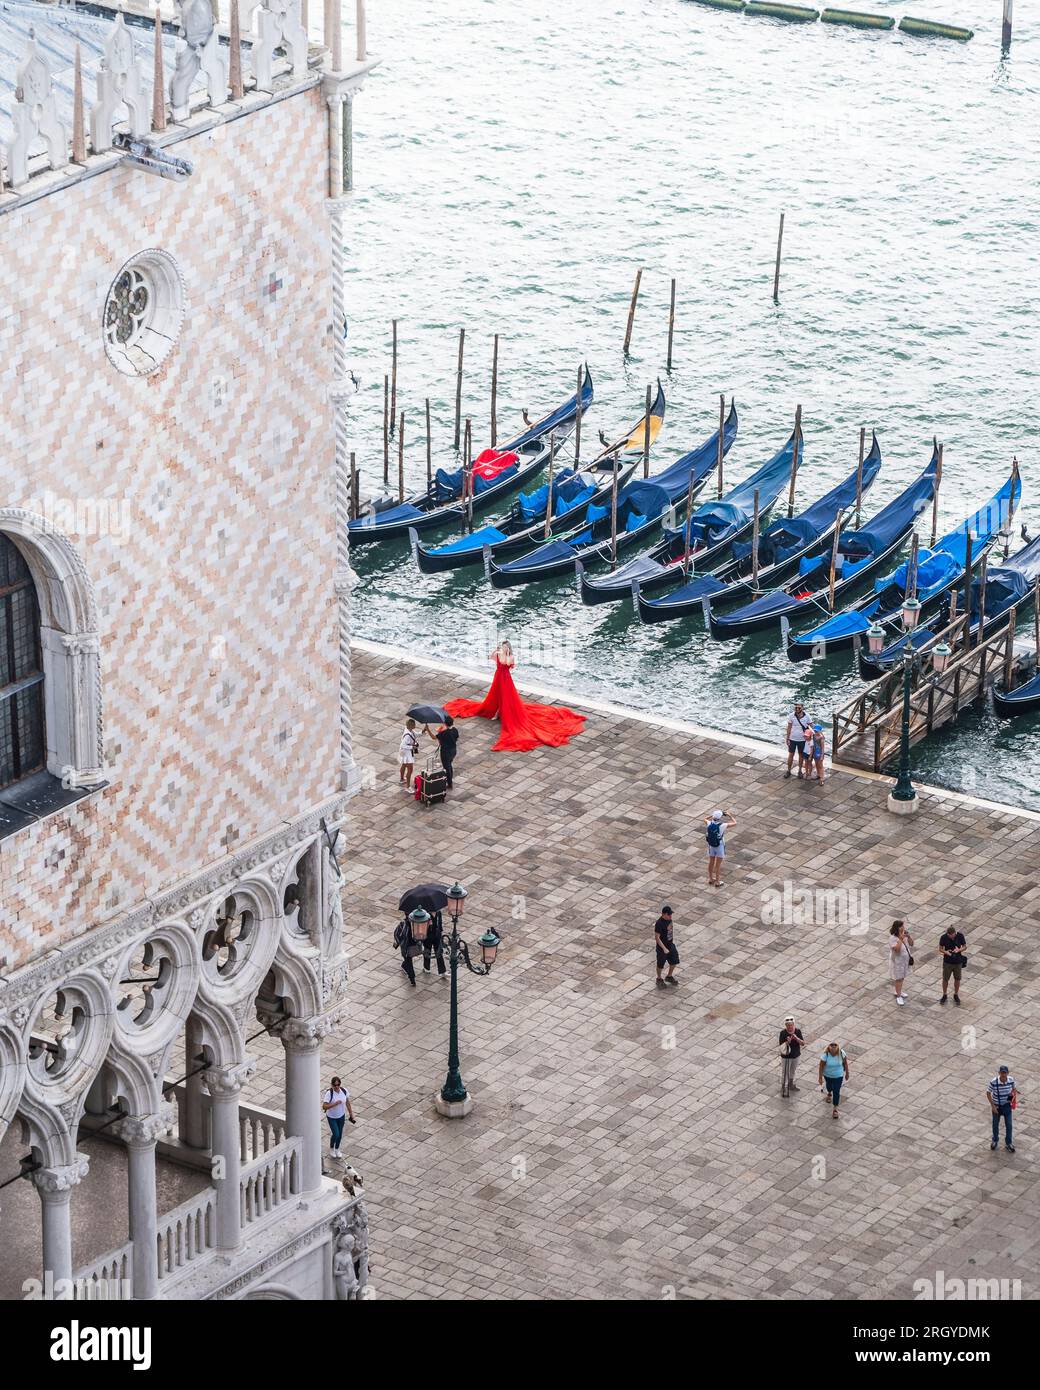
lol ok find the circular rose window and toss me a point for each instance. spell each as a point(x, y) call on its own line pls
point(143, 314)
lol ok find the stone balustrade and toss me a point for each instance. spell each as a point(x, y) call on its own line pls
point(270, 1180)
point(108, 1279)
point(186, 1232)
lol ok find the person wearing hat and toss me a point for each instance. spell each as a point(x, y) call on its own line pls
point(790, 1050)
point(799, 727)
point(714, 832)
point(666, 949)
point(814, 754)
point(1002, 1097)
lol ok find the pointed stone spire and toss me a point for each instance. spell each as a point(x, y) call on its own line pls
point(79, 124)
point(235, 64)
point(158, 78)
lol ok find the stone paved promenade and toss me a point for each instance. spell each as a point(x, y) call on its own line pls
point(627, 1141)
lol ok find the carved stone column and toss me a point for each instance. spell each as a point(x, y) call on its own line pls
point(196, 1116)
point(225, 1085)
point(302, 1039)
point(55, 1188)
point(139, 1133)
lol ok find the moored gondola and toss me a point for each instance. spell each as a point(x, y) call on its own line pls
point(858, 555)
point(938, 569)
point(573, 492)
point(1025, 700)
point(496, 474)
point(782, 547)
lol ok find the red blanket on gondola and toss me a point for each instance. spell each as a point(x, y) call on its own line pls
point(491, 463)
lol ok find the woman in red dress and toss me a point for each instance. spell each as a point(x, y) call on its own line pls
point(524, 725)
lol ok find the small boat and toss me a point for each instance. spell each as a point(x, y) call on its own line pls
point(859, 554)
point(782, 547)
point(574, 491)
point(496, 473)
point(939, 569)
point(711, 530)
point(1010, 585)
point(1024, 700)
point(641, 504)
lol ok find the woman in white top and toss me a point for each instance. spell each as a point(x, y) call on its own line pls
point(899, 959)
point(406, 754)
point(336, 1104)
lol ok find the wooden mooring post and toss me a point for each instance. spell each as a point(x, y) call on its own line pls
point(859, 475)
point(754, 540)
point(400, 459)
point(613, 518)
point(393, 380)
point(386, 431)
point(689, 523)
point(632, 311)
point(1005, 27)
point(494, 394)
point(646, 436)
point(353, 509)
point(935, 494)
point(429, 448)
point(671, 325)
point(577, 418)
point(776, 274)
point(549, 499)
point(794, 459)
point(721, 447)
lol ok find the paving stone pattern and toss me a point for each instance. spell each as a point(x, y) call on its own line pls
point(628, 1142)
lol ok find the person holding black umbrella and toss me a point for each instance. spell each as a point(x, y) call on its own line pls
point(448, 740)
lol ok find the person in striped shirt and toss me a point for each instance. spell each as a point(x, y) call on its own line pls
point(1002, 1096)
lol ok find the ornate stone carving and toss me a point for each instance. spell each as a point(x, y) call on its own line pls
point(146, 1129)
point(198, 50)
point(50, 1181)
point(344, 1275)
point(279, 27)
point(228, 1081)
point(120, 84)
point(304, 1034)
point(34, 116)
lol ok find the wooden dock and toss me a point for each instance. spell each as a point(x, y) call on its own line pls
point(866, 732)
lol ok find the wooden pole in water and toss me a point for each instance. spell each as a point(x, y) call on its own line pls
point(613, 518)
point(859, 475)
point(689, 522)
point(794, 458)
point(386, 431)
point(982, 598)
point(911, 569)
point(632, 310)
point(1009, 650)
point(1005, 27)
point(968, 543)
point(776, 276)
point(1011, 504)
point(577, 419)
point(834, 562)
point(353, 487)
point(646, 437)
point(935, 496)
point(494, 394)
point(429, 448)
point(458, 389)
point(754, 542)
point(1036, 621)
point(671, 326)
point(548, 499)
point(400, 460)
point(720, 447)
point(393, 380)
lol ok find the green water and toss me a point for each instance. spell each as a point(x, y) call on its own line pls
point(515, 165)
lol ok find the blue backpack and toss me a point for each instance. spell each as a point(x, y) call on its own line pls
point(714, 833)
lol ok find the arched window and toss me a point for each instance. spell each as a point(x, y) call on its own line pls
point(23, 745)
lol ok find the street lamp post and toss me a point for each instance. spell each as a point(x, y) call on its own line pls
point(903, 798)
point(453, 1100)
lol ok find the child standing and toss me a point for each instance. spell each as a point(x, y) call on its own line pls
point(406, 754)
point(817, 751)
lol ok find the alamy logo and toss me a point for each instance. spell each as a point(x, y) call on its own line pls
point(86, 516)
point(76, 1343)
point(942, 1289)
point(819, 907)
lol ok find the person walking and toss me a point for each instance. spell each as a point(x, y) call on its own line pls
point(667, 953)
point(1003, 1097)
point(406, 754)
point(954, 959)
point(409, 948)
point(447, 739)
point(900, 960)
point(433, 945)
point(790, 1050)
point(834, 1069)
point(798, 727)
point(336, 1104)
point(715, 828)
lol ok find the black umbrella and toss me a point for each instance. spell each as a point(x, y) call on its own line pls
point(432, 896)
point(427, 714)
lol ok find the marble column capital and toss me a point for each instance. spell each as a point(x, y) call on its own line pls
point(143, 1130)
point(226, 1082)
point(51, 1182)
point(306, 1034)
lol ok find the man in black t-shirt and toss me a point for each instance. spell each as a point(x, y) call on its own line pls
point(790, 1050)
point(951, 948)
point(448, 742)
point(666, 950)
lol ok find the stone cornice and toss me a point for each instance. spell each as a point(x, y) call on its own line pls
point(322, 1233)
point(65, 959)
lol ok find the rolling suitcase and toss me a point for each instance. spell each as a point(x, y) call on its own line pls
point(433, 787)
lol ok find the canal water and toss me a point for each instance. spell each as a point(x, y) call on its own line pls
point(517, 162)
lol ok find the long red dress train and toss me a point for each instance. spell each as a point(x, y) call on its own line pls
point(524, 725)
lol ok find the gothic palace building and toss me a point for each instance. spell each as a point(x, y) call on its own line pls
point(175, 742)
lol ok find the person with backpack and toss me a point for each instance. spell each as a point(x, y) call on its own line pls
point(409, 948)
point(336, 1104)
point(715, 829)
point(834, 1069)
point(799, 728)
